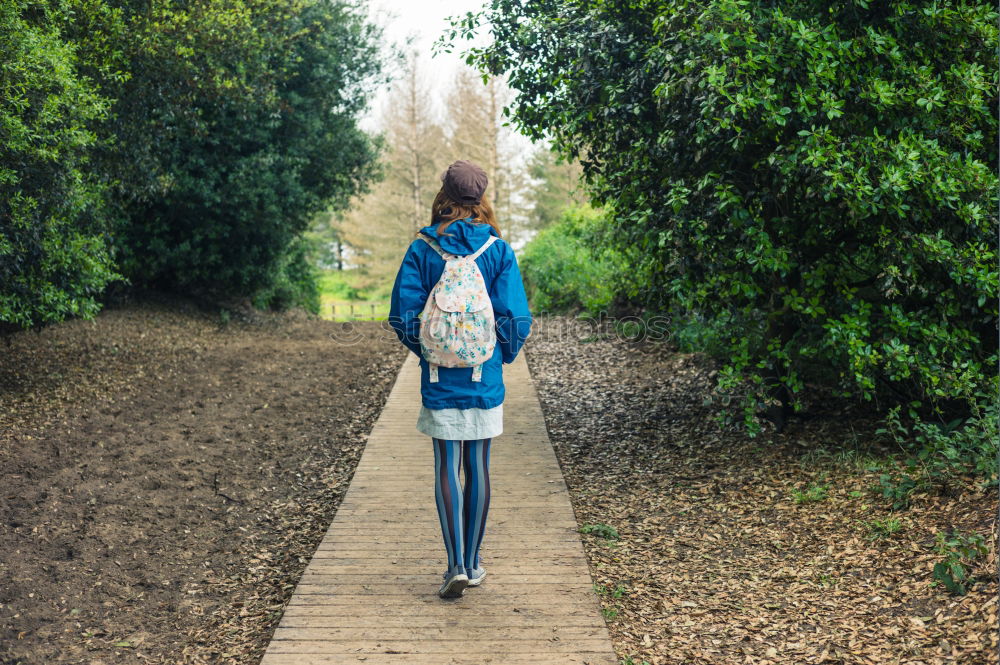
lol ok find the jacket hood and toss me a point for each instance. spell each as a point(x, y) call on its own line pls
point(462, 237)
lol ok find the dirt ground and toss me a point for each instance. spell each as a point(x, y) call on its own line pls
point(717, 564)
point(166, 475)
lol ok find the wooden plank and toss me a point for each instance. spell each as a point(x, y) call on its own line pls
point(391, 579)
point(556, 558)
point(391, 492)
point(428, 530)
point(509, 546)
point(442, 631)
point(369, 592)
point(548, 561)
point(504, 504)
point(324, 617)
point(428, 584)
point(388, 605)
point(552, 566)
point(543, 514)
point(553, 658)
point(402, 604)
point(440, 646)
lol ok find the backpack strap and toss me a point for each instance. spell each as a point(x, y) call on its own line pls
point(437, 248)
point(446, 255)
point(432, 370)
point(473, 257)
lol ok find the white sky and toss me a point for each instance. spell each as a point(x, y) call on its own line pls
point(423, 21)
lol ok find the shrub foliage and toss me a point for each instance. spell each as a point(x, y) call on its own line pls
point(820, 175)
point(261, 110)
point(183, 146)
point(565, 267)
point(55, 252)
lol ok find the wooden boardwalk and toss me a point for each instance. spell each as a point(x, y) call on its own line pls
point(369, 593)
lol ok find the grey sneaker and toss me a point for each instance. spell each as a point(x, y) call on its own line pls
point(455, 581)
point(476, 575)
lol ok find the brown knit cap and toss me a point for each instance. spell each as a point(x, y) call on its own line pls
point(464, 182)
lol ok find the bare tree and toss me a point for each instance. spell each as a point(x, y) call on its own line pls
point(382, 223)
point(477, 133)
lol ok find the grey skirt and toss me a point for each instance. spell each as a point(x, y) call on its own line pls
point(461, 424)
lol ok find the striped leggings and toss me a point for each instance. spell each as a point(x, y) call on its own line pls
point(462, 510)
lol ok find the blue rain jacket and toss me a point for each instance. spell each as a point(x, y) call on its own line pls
point(420, 271)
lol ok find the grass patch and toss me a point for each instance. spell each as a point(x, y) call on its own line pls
point(628, 660)
point(601, 531)
point(605, 590)
point(348, 295)
point(849, 459)
point(880, 529)
point(812, 494)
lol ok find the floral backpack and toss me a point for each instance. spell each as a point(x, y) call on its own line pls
point(457, 328)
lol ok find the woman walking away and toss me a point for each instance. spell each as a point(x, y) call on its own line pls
point(459, 304)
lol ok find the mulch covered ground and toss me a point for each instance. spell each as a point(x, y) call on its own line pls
point(716, 562)
point(166, 476)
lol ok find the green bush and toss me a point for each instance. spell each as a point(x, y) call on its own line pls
point(961, 552)
point(256, 128)
point(898, 489)
point(695, 333)
point(294, 284)
point(941, 453)
point(55, 253)
point(183, 145)
point(822, 176)
point(566, 269)
point(335, 285)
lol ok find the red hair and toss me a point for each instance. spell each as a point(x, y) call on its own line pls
point(445, 211)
